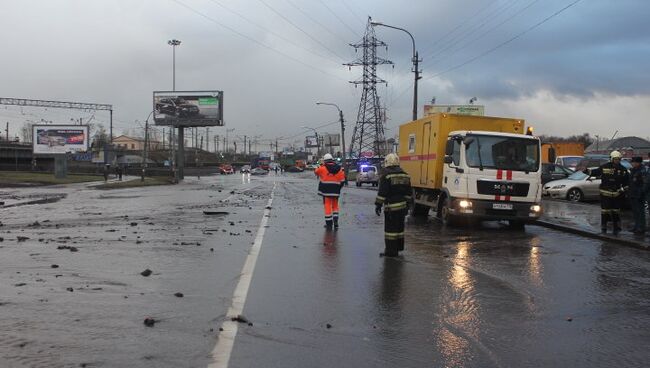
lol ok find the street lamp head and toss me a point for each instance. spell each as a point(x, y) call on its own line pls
point(174, 42)
point(376, 23)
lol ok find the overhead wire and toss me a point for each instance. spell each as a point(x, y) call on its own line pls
point(242, 35)
point(339, 18)
point(487, 32)
point(491, 50)
point(498, 46)
point(349, 8)
point(286, 19)
point(316, 21)
point(271, 32)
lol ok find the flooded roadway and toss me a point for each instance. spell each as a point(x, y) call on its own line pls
point(480, 297)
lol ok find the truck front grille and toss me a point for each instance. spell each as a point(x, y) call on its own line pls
point(503, 188)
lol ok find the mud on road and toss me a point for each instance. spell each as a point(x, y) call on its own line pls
point(74, 292)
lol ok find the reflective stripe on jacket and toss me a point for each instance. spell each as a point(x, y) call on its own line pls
point(331, 178)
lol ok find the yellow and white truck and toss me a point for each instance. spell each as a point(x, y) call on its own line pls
point(472, 167)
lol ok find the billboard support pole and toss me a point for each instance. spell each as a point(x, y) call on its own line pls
point(60, 166)
point(180, 157)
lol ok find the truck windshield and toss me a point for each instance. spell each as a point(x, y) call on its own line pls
point(504, 153)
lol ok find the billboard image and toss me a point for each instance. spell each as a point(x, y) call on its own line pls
point(331, 140)
point(311, 141)
point(190, 109)
point(57, 139)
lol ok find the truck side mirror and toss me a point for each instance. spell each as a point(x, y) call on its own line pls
point(449, 148)
point(448, 159)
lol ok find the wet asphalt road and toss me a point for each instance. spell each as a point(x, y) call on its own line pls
point(479, 297)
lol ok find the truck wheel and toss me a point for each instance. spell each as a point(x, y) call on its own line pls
point(517, 225)
point(374, 184)
point(418, 210)
point(447, 218)
point(574, 195)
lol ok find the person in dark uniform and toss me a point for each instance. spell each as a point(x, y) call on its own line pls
point(614, 181)
point(639, 188)
point(394, 196)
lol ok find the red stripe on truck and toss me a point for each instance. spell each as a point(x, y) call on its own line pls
point(431, 156)
point(497, 197)
point(508, 177)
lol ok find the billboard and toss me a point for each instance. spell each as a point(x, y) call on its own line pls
point(188, 108)
point(311, 141)
point(477, 110)
point(331, 140)
point(58, 139)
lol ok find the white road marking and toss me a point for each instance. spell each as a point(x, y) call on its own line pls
point(223, 349)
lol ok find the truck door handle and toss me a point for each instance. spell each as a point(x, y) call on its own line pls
point(459, 170)
point(445, 180)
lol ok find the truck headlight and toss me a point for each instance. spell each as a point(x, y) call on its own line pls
point(464, 203)
point(536, 208)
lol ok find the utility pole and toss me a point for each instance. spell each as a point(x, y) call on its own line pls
point(207, 139)
point(177, 162)
point(244, 144)
point(7, 131)
point(163, 139)
point(146, 146)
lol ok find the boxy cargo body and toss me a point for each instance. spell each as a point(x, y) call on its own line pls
point(472, 166)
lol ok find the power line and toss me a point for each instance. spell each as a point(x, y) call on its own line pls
point(486, 20)
point(483, 34)
point(349, 8)
point(505, 42)
point(272, 32)
point(316, 21)
point(339, 18)
point(300, 29)
point(253, 40)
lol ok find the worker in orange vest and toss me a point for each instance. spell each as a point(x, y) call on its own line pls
point(331, 179)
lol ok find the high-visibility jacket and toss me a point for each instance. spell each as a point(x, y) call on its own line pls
point(614, 178)
point(331, 178)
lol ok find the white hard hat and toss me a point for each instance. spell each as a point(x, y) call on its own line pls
point(615, 154)
point(391, 160)
point(328, 157)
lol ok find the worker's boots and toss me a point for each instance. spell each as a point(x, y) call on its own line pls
point(336, 222)
point(328, 224)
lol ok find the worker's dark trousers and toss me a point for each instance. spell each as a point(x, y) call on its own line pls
point(638, 211)
point(610, 210)
point(394, 231)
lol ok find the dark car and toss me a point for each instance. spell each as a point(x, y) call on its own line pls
point(552, 172)
point(594, 161)
point(176, 107)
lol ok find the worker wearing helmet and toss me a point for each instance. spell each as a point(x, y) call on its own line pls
point(614, 182)
point(394, 196)
point(331, 178)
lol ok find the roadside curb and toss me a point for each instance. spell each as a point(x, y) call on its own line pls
point(614, 239)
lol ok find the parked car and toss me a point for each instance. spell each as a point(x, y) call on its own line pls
point(576, 187)
point(246, 169)
point(226, 170)
point(312, 167)
point(367, 174)
point(176, 107)
point(259, 171)
point(552, 172)
point(568, 161)
point(294, 169)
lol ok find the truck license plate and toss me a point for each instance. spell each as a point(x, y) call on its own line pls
point(502, 206)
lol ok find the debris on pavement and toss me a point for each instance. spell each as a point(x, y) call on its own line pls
point(179, 295)
point(146, 273)
point(149, 322)
point(241, 319)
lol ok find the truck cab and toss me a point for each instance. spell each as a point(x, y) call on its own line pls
point(491, 176)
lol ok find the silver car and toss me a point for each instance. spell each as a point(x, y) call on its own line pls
point(577, 187)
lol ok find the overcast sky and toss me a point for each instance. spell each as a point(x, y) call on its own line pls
point(584, 70)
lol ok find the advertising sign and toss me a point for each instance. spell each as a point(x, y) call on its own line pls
point(188, 108)
point(58, 139)
point(331, 140)
point(477, 110)
point(311, 141)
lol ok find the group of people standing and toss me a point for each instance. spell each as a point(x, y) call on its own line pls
point(616, 184)
point(393, 197)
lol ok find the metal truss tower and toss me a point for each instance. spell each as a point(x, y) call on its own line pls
point(368, 134)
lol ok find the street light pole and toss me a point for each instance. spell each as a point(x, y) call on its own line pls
point(342, 121)
point(416, 62)
point(176, 161)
